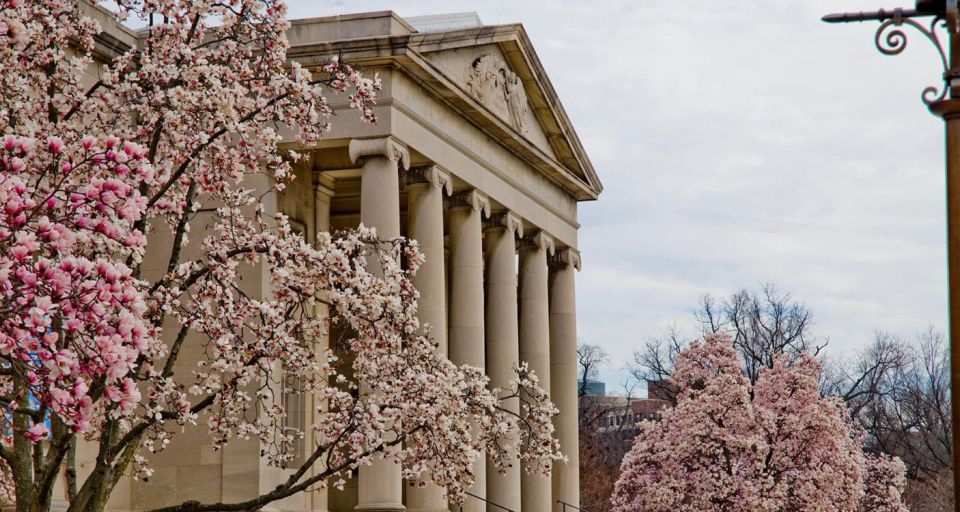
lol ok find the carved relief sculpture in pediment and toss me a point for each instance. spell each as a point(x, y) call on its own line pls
point(491, 81)
point(483, 76)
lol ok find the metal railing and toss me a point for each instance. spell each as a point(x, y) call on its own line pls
point(474, 496)
point(565, 505)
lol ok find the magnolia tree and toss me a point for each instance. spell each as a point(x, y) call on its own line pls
point(776, 445)
point(189, 119)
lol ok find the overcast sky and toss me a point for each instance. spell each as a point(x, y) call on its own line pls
point(739, 143)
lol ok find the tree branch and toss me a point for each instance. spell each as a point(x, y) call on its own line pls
point(283, 490)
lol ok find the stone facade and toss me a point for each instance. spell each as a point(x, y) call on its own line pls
point(474, 157)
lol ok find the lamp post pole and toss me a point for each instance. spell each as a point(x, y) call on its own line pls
point(944, 102)
point(949, 110)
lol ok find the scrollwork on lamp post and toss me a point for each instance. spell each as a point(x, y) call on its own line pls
point(943, 101)
point(891, 40)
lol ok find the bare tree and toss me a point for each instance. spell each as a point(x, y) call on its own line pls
point(867, 379)
point(655, 360)
point(589, 359)
point(763, 324)
point(606, 433)
point(932, 494)
point(909, 413)
point(899, 392)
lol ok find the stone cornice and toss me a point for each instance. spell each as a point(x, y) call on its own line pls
point(522, 56)
point(446, 90)
point(505, 220)
point(430, 175)
point(406, 53)
point(472, 199)
point(385, 147)
point(114, 39)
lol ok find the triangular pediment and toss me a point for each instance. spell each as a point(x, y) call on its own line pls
point(484, 73)
point(488, 74)
point(497, 69)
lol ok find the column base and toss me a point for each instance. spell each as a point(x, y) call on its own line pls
point(379, 507)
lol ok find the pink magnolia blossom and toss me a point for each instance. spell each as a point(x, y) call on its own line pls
point(37, 432)
point(776, 445)
point(7, 493)
point(90, 345)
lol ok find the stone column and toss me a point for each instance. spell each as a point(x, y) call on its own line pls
point(466, 329)
point(503, 340)
point(380, 182)
point(535, 344)
point(563, 375)
point(380, 486)
point(322, 194)
point(425, 187)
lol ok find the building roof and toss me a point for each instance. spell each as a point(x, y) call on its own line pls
point(383, 38)
point(444, 22)
point(419, 46)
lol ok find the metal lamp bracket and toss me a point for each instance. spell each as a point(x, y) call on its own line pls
point(890, 39)
point(897, 17)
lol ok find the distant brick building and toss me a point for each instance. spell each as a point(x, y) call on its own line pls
point(619, 413)
point(662, 389)
point(608, 427)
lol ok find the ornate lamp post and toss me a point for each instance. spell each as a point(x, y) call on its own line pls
point(939, 17)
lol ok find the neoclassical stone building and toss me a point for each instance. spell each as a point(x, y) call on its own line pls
point(474, 157)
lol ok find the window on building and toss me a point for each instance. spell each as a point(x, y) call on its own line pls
point(294, 399)
point(295, 406)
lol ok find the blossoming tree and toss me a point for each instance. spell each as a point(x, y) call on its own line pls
point(90, 348)
point(777, 445)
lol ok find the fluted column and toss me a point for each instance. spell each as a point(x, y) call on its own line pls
point(563, 374)
point(425, 187)
point(322, 194)
point(380, 182)
point(503, 341)
point(466, 323)
point(535, 344)
point(380, 486)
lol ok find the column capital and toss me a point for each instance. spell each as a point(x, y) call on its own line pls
point(431, 175)
point(567, 256)
point(541, 240)
point(386, 147)
point(505, 220)
point(473, 199)
point(323, 188)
